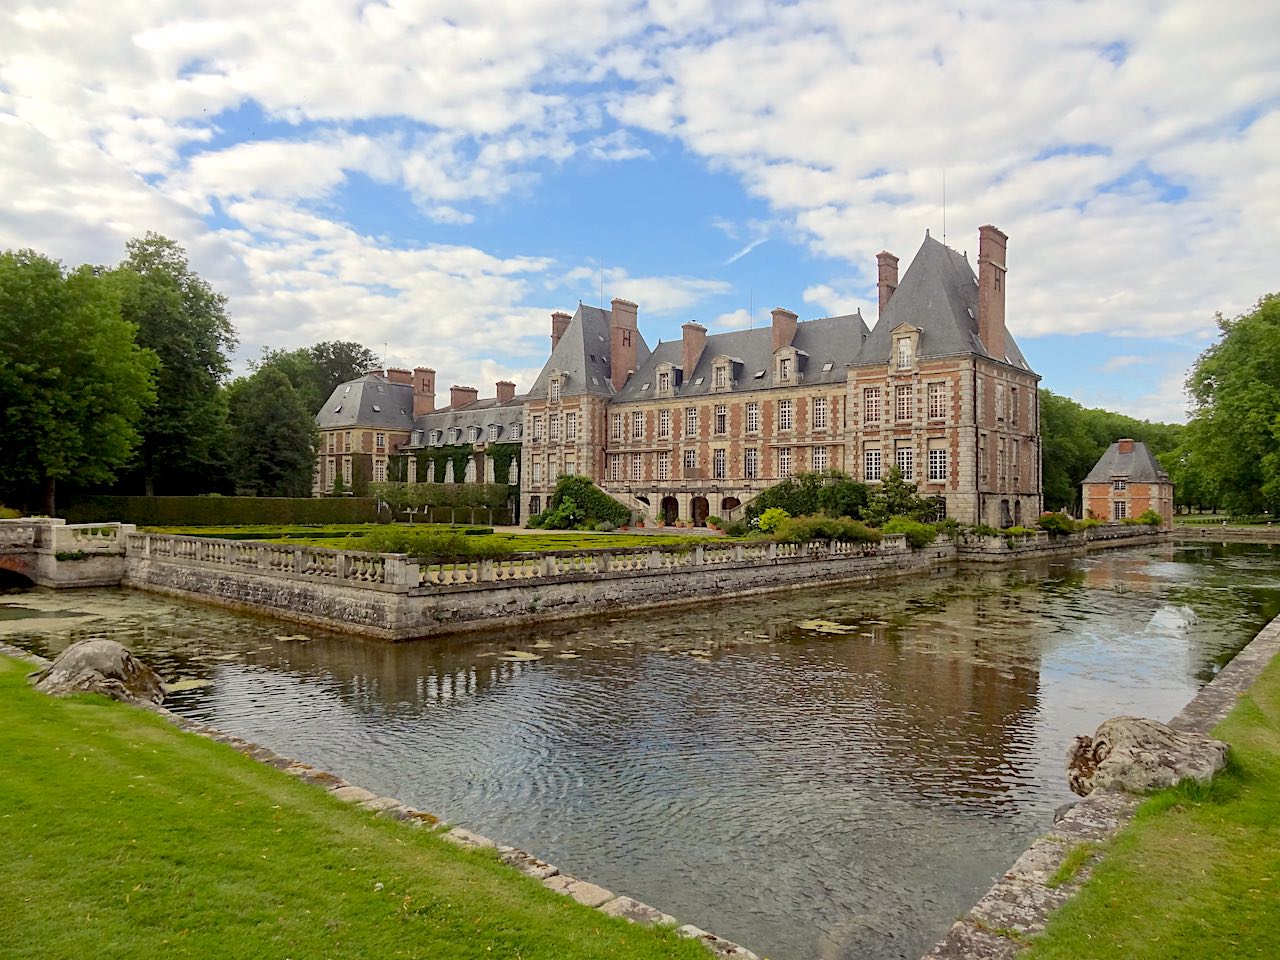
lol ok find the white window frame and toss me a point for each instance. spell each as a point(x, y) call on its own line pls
point(937, 397)
point(1119, 509)
point(751, 463)
point(615, 428)
point(571, 426)
point(871, 405)
point(690, 461)
point(786, 414)
point(904, 458)
point(872, 465)
point(553, 390)
point(664, 464)
point(637, 424)
point(690, 421)
point(720, 419)
point(719, 464)
point(819, 458)
point(637, 467)
point(903, 354)
point(939, 463)
point(821, 411)
point(903, 401)
point(786, 463)
point(537, 427)
point(664, 423)
point(753, 417)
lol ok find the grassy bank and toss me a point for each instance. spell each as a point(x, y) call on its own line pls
point(124, 837)
point(1197, 873)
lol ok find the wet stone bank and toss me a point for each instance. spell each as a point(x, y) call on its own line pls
point(836, 773)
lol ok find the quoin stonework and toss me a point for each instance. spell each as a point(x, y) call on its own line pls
point(698, 426)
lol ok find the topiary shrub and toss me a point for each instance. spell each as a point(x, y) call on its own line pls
point(918, 534)
point(590, 504)
point(819, 527)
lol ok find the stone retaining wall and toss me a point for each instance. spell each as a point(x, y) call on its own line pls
point(1018, 905)
point(1221, 533)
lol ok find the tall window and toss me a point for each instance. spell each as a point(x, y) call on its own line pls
point(571, 426)
point(820, 407)
point(1013, 405)
point(819, 458)
point(721, 421)
point(637, 467)
point(999, 400)
point(537, 427)
point(871, 464)
point(379, 471)
point(690, 421)
point(751, 463)
point(902, 401)
point(937, 463)
point(753, 417)
point(719, 464)
point(786, 414)
point(690, 462)
point(1119, 510)
point(331, 444)
point(1002, 462)
point(664, 465)
point(348, 440)
point(553, 427)
point(664, 423)
point(537, 469)
point(722, 376)
point(905, 460)
point(517, 431)
point(784, 462)
point(493, 431)
point(615, 466)
point(871, 405)
point(664, 382)
point(1119, 485)
point(784, 369)
point(570, 467)
point(615, 427)
point(346, 470)
point(380, 440)
point(637, 425)
point(903, 353)
point(937, 401)
point(553, 394)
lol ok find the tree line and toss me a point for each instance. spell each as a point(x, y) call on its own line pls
point(118, 379)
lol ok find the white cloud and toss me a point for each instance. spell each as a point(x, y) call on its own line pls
point(835, 303)
point(661, 295)
point(1123, 362)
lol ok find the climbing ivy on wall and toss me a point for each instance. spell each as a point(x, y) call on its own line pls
point(502, 454)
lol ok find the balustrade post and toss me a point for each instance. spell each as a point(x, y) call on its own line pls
point(655, 559)
point(487, 571)
point(771, 550)
point(340, 566)
point(604, 562)
point(699, 555)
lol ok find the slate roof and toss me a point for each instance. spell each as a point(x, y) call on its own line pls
point(827, 346)
point(939, 295)
point(480, 414)
point(368, 401)
point(582, 355)
point(1140, 466)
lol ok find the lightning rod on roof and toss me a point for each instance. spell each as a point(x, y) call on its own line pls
point(944, 206)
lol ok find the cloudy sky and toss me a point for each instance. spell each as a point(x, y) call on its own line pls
point(439, 176)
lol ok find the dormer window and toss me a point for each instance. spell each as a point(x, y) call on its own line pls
point(903, 353)
point(553, 390)
point(475, 434)
point(721, 376)
point(415, 440)
point(664, 381)
point(517, 429)
point(494, 429)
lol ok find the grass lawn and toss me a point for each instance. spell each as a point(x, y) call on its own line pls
point(1197, 873)
point(124, 837)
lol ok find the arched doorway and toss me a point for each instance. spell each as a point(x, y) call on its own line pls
point(700, 510)
point(729, 503)
point(670, 509)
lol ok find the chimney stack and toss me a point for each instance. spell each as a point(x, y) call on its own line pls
point(886, 277)
point(559, 324)
point(373, 372)
point(624, 341)
point(1124, 446)
point(462, 396)
point(695, 338)
point(424, 391)
point(784, 328)
point(506, 391)
point(991, 282)
point(399, 375)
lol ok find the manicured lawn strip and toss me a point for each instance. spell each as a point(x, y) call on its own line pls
point(124, 837)
point(1197, 873)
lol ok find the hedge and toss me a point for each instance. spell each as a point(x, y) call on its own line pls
point(221, 511)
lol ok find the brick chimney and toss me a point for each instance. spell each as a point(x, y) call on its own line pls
point(886, 277)
point(624, 341)
point(991, 282)
point(424, 391)
point(374, 372)
point(1124, 446)
point(784, 328)
point(695, 339)
point(399, 375)
point(462, 396)
point(506, 391)
point(559, 324)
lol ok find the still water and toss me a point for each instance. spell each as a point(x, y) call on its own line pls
point(834, 773)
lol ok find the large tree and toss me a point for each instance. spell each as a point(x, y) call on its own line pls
point(74, 384)
point(184, 320)
point(314, 371)
point(1234, 446)
point(273, 438)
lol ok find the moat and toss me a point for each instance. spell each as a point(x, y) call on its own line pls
point(837, 772)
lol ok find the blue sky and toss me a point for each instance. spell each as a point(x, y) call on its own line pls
point(438, 177)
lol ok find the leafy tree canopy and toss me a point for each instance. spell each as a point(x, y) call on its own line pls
point(74, 384)
point(273, 439)
point(184, 321)
point(316, 370)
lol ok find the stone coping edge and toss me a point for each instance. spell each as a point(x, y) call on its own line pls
point(584, 892)
point(1019, 903)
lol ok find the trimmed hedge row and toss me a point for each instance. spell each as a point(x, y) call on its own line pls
point(219, 511)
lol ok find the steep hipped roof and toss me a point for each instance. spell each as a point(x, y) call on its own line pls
point(481, 413)
point(939, 295)
point(582, 356)
point(1140, 466)
point(368, 401)
point(827, 347)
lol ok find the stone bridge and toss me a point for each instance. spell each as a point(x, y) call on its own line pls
point(50, 552)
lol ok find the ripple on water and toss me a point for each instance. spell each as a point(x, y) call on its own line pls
point(807, 793)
